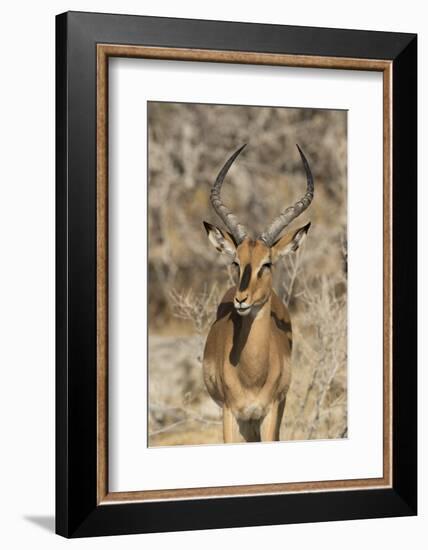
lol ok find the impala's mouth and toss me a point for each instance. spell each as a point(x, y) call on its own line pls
point(243, 310)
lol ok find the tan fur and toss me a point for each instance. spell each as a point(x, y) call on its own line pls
point(247, 358)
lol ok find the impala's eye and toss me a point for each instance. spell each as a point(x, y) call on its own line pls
point(264, 267)
point(236, 266)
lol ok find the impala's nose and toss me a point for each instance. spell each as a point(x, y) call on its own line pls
point(241, 306)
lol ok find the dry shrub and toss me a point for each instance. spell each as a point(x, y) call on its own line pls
point(317, 401)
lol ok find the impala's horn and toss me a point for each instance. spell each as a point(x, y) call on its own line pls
point(292, 212)
point(237, 230)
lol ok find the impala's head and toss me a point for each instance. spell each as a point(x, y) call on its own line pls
point(254, 258)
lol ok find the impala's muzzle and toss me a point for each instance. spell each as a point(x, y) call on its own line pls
point(242, 306)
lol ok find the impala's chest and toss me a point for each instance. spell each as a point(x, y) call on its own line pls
point(253, 360)
point(251, 375)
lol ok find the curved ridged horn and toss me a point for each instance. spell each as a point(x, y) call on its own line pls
point(237, 230)
point(289, 214)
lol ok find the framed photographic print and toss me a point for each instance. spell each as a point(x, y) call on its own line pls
point(236, 274)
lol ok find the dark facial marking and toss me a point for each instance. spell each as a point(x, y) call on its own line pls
point(246, 276)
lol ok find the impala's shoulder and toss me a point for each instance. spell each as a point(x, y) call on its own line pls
point(226, 305)
point(280, 314)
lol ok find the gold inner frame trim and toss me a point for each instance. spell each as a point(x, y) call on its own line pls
point(104, 51)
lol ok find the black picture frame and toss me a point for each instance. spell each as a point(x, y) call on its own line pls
point(77, 511)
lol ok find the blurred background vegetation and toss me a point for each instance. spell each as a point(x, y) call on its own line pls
point(188, 144)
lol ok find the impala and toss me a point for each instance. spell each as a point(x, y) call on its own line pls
point(247, 356)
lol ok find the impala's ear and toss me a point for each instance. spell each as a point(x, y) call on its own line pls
point(222, 240)
point(289, 242)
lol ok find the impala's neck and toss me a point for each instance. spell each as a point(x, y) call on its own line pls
point(250, 350)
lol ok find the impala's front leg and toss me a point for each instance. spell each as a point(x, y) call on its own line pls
point(271, 423)
point(231, 431)
point(238, 430)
